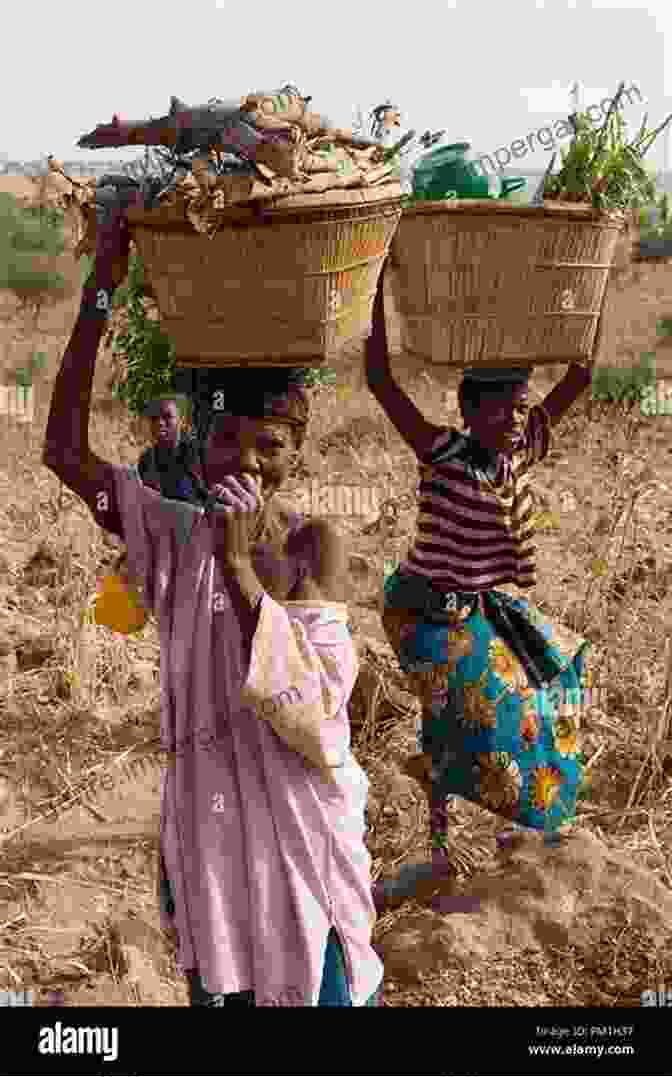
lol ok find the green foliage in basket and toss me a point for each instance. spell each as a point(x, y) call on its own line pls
point(624, 386)
point(602, 168)
point(145, 353)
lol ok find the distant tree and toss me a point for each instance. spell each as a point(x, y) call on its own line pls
point(31, 246)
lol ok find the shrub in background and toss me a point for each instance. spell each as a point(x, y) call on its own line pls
point(31, 241)
point(625, 386)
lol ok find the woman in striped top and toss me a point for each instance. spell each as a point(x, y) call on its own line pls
point(500, 687)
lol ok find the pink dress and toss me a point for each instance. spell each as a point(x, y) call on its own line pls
point(264, 853)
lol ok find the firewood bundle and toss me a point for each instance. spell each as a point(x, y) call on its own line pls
point(264, 146)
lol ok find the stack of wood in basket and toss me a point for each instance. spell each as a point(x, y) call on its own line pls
point(263, 146)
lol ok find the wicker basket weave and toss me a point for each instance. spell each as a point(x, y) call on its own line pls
point(284, 285)
point(484, 282)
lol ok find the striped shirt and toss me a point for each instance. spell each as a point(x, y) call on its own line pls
point(475, 523)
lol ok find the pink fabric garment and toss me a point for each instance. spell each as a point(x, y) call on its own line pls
point(264, 853)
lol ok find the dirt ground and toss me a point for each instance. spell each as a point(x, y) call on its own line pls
point(79, 705)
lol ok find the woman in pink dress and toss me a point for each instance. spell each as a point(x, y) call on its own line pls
point(265, 877)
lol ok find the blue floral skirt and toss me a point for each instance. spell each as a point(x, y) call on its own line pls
point(501, 690)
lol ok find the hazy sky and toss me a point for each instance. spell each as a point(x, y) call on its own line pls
point(488, 73)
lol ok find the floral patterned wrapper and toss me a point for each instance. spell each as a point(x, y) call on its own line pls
point(495, 735)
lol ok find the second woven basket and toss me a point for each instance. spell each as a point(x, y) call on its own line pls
point(284, 285)
point(490, 282)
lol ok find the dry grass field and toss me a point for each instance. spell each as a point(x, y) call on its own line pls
point(77, 870)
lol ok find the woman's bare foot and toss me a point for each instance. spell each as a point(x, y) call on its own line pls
point(509, 839)
point(414, 882)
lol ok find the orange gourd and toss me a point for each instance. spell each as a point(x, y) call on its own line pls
point(118, 606)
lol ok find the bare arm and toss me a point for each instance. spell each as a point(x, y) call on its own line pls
point(329, 576)
point(326, 581)
point(575, 382)
point(560, 399)
point(409, 422)
point(66, 449)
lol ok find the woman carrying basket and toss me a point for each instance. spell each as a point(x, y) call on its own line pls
point(500, 686)
point(265, 878)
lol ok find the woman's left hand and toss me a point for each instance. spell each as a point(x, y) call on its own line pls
point(234, 519)
point(113, 238)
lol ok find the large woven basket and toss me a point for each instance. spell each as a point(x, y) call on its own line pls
point(287, 284)
point(488, 283)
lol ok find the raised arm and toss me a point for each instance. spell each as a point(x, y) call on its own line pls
point(66, 447)
point(575, 382)
point(410, 423)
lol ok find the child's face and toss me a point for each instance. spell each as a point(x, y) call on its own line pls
point(500, 419)
point(166, 425)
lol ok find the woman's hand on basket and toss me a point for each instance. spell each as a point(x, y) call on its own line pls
point(235, 518)
point(113, 239)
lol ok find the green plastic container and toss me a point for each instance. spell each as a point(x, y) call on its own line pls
point(447, 173)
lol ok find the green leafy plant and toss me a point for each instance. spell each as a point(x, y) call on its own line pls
point(664, 327)
point(49, 216)
point(145, 354)
point(602, 168)
point(320, 377)
point(662, 227)
point(625, 386)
